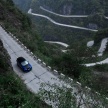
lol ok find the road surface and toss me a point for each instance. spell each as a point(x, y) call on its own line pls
point(60, 43)
point(103, 46)
point(90, 43)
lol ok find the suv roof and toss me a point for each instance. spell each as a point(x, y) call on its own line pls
point(20, 59)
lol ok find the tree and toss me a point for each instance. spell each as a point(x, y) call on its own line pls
point(10, 2)
point(69, 64)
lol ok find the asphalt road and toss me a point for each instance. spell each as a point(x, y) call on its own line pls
point(60, 43)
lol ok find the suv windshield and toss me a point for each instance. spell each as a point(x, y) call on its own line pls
point(24, 63)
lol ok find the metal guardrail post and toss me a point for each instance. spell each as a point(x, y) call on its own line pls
point(39, 61)
point(49, 68)
point(62, 76)
point(43, 64)
point(78, 83)
point(87, 88)
point(55, 72)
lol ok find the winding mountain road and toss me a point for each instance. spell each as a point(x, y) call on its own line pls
point(90, 43)
point(103, 46)
point(59, 24)
point(101, 62)
point(60, 43)
point(39, 74)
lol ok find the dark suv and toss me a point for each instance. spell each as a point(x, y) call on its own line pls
point(24, 64)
